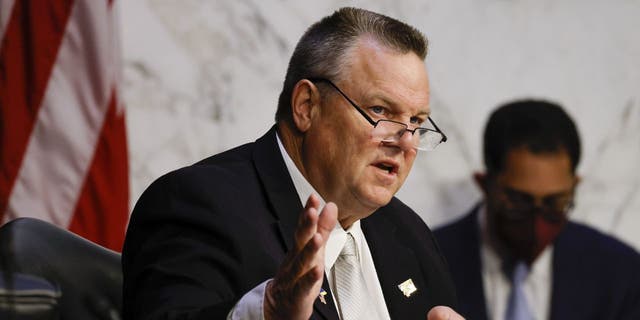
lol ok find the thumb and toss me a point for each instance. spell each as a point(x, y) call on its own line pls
point(443, 313)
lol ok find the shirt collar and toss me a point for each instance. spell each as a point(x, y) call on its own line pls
point(337, 240)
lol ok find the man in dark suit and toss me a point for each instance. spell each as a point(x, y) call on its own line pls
point(244, 234)
point(516, 255)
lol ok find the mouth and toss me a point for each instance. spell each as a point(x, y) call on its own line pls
point(389, 166)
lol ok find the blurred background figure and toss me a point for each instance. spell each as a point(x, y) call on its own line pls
point(516, 255)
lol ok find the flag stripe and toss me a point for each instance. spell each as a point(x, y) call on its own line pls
point(27, 54)
point(102, 211)
point(72, 113)
point(6, 7)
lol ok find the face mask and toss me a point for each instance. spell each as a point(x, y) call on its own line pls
point(524, 238)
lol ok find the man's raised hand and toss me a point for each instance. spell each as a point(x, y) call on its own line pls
point(291, 293)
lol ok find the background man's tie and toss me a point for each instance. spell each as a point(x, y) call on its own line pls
point(517, 307)
point(351, 291)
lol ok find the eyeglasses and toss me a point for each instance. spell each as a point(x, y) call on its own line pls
point(520, 205)
point(390, 131)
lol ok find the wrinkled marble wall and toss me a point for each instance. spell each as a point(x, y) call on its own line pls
point(202, 76)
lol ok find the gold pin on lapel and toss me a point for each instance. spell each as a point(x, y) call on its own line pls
point(407, 288)
point(322, 294)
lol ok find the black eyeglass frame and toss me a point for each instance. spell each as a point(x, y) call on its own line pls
point(375, 123)
point(520, 210)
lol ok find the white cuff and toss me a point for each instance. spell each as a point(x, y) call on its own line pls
point(251, 305)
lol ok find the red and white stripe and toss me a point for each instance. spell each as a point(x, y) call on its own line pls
point(62, 128)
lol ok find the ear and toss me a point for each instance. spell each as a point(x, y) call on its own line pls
point(577, 181)
point(304, 98)
point(481, 180)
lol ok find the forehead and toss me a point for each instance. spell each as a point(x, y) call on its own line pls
point(537, 174)
point(380, 72)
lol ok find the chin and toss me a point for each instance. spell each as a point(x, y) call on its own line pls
point(378, 198)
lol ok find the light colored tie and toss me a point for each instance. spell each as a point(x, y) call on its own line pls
point(351, 291)
point(517, 307)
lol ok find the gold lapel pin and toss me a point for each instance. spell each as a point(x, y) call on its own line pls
point(322, 294)
point(407, 288)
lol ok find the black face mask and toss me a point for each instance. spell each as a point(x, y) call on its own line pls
point(523, 234)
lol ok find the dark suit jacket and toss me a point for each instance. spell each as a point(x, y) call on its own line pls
point(202, 236)
point(594, 275)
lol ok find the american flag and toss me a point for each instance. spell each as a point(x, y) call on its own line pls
point(63, 146)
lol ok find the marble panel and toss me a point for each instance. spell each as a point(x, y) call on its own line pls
point(202, 76)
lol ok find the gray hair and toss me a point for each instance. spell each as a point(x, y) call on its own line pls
point(323, 50)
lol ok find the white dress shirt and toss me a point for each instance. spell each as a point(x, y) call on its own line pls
point(497, 286)
point(250, 305)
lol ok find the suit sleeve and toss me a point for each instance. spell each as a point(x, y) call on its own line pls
point(185, 255)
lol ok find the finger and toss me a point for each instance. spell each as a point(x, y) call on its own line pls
point(305, 260)
point(312, 202)
point(443, 313)
point(327, 220)
point(306, 227)
point(311, 206)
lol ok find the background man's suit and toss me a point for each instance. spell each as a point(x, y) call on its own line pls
point(229, 220)
point(594, 275)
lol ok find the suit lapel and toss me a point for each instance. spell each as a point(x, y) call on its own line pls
point(395, 264)
point(278, 186)
point(565, 277)
point(467, 266)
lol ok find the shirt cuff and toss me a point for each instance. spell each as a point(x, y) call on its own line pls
point(251, 305)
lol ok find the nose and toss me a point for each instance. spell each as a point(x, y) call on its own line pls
point(401, 138)
point(405, 141)
point(538, 203)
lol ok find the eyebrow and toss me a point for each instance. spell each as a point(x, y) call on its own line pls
point(422, 113)
point(393, 104)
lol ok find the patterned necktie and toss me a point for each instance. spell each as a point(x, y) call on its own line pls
point(351, 291)
point(517, 307)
